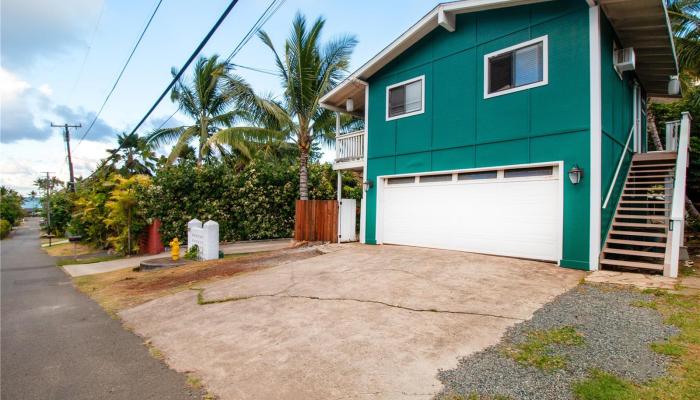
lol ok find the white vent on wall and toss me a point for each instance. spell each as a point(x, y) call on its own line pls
point(625, 59)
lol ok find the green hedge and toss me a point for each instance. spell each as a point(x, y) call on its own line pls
point(5, 228)
point(254, 203)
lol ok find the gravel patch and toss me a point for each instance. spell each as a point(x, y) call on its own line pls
point(617, 339)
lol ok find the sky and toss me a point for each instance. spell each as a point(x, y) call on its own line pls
point(59, 58)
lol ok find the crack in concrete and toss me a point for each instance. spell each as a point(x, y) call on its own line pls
point(280, 294)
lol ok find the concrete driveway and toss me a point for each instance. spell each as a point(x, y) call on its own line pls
point(365, 322)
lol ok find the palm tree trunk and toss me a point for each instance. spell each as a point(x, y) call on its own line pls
point(651, 128)
point(303, 173)
point(128, 232)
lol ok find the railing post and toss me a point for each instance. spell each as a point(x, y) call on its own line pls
point(677, 221)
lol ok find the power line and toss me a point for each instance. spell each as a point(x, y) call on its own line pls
point(264, 17)
point(114, 86)
point(261, 70)
point(87, 52)
point(187, 63)
point(267, 14)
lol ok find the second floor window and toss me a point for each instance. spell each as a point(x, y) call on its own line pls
point(405, 98)
point(516, 68)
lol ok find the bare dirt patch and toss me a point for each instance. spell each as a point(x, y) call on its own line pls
point(122, 289)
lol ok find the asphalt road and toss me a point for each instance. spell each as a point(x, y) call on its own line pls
point(57, 343)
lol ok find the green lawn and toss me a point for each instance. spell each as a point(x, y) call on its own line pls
point(683, 380)
point(87, 260)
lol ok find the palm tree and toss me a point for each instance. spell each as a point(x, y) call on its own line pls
point(216, 101)
point(134, 153)
point(685, 19)
point(308, 70)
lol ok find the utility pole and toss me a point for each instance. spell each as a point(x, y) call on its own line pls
point(66, 133)
point(48, 205)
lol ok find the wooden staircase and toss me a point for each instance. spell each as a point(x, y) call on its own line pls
point(638, 236)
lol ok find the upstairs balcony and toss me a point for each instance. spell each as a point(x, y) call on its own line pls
point(350, 151)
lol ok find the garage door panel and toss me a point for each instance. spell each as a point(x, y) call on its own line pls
point(515, 218)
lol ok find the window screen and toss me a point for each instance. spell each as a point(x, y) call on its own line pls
point(401, 181)
point(436, 178)
point(527, 172)
point(516, 68)
point(468, 176)
point(406, 98)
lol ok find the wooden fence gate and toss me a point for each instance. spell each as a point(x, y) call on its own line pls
point(316, 221)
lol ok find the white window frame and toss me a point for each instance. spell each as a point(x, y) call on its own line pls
point(545, 66)
point(422, 101)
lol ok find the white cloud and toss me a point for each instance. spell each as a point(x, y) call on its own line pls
point(46, 90)
point(27, 112)
point(32, 29)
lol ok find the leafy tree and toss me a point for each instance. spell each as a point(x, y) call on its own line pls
point(90, 212)
point(54, 183)
point(61, 212)
point(308, 70)
point(216, 101)
point(685, 20)
point(10, 205)
point(125, 215)
point(133, 156)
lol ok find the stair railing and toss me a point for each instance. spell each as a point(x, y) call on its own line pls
point(677, 221)
point(619, 166)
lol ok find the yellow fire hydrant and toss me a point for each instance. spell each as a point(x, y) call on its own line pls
point(175, 249)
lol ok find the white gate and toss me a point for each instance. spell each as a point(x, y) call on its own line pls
point(347, 216)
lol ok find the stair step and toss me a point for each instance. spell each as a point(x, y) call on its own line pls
point(655, 155)
point(645, 168)
point(648, 183)
point(639, 233)
point(646, 201)
point(647, 195)
point(637, 242)
point(642, 209)
point(634, 264)
point(639, 225)
point(640, 216)
point(635, 176)
point(639, 253)
point(641, 190)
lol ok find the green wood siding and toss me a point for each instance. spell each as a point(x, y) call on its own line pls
point(617, 118)
point(460, 129)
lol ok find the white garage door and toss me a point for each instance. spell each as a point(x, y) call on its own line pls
point(510, 212)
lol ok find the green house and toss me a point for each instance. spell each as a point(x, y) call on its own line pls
point(518, 128)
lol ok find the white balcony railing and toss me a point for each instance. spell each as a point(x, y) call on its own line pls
point(350, 147)
point(678, 141)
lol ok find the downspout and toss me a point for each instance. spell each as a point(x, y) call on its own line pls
point(363, 201)
point(339, 189)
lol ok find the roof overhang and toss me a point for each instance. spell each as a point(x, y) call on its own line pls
point(442, 15)
point(640, 24)
point(644, 26)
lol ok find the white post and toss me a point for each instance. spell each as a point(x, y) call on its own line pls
point(677, 222)
point(191, 231)
point(340, 202)
point(211, 241)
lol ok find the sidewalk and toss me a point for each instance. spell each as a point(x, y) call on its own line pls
point(252, 246)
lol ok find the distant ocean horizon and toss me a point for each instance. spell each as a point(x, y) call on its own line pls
point(31, 204)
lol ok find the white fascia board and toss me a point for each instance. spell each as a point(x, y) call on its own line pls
point(596, 132)
point(671, 36)
point(419, 30)
point(447, 20)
